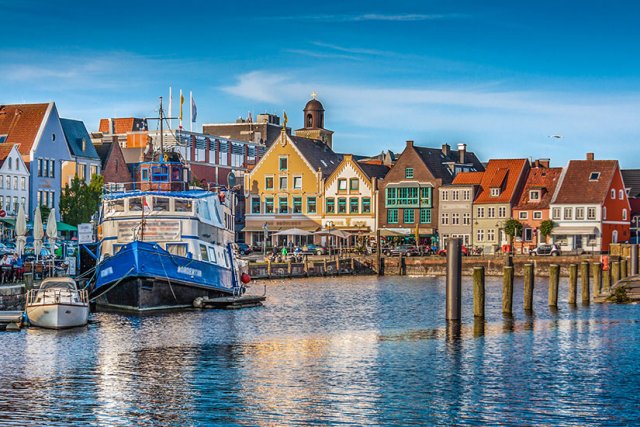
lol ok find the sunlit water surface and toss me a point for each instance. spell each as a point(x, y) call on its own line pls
point(348, 351)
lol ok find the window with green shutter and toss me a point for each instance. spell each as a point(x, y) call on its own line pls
point(408, 172)
point(366, 205)
point(297, 205)
point(342, 205)
point(392, 216)
point(353, 205)
point(425, 216)
point(331, 205)
point(311, 205)
point(409, 216)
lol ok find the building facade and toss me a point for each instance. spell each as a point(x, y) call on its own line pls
point(85, 161)
point(14, 181)
point(590, 208)
point(456, 208)
point(409, 194)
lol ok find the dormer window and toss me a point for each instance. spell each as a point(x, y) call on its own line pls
point(3, 138)
point(495, 192)
point(534, 195)
point(594, 176)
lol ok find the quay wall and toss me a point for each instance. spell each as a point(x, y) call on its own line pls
point(413, 266)
point(12, 297)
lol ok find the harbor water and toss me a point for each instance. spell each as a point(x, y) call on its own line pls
point(333, 351)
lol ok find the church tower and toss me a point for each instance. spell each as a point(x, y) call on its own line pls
point(314, 122)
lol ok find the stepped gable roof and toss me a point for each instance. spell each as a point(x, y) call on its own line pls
point(577, 185)
point(317, 153)
point(439, 164)
point(545, 179)
point(468, 178)
point(21, 122)
point(371, 170)
point(503, 173)
point(631, 178)
point(75, 132)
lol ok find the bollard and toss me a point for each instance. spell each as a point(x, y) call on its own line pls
point(606, 281)
point(615, 272)
point(268, 268)
point(623, 268)
point(507, 290)
point(554, 281)
point(289, 268)
point(596, 272)
point(378, 249)
point(478, 292)
point(634, 260)
point(454, 278)
point(403, 266)
point(584, 282)
point(573, 283)
point(529, 277)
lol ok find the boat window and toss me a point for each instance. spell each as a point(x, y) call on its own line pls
point(116, 248)
point(115, 206)
point(160, 203)
point(160, 174)
point(179, 249)
point(226, 258)
point(135, 204)
point(183, 205)
point(203, 209)
point(203, 253)
point(212, 255)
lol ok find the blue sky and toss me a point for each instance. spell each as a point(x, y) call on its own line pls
point(501, 76)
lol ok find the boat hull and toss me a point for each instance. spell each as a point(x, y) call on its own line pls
point(58, 316)
point(144, 277)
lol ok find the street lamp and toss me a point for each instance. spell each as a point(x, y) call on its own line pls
point(265, 227)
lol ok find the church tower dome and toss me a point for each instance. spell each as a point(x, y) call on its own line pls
point(314, 122)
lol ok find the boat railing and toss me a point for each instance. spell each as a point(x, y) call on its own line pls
point(57, 296)
point(127, 187)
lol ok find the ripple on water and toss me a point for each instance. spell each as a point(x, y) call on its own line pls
point(336, 352)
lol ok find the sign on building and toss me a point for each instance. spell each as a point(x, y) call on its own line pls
point(85, 233)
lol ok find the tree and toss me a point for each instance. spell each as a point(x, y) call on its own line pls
point(44, 213)
point(80, 201)
point(512, 228)
point(546, 227)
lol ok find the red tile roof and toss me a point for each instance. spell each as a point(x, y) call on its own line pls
point(468, 178)
point(504, 173)
point(576, 185)
point(122, 125)
point(545, 179)
point(21, 122)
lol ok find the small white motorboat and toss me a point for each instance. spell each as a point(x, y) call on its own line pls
point(58, 304)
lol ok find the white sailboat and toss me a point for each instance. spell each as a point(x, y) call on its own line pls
point(58, 304)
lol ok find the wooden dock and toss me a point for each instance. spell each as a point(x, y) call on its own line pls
point(230, 303)
point(11, 320)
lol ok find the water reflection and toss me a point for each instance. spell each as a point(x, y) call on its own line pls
point(374, 352)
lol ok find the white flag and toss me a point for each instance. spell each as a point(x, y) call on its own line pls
point(194, 110)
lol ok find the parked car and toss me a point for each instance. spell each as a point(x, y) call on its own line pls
point(544, 249)
point(404, 250)
point(244, 249)
point(312, 249)
point(443, 251)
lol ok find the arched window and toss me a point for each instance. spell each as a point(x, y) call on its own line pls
point(620, 193)
point(321, 120)
point(309, 120)
point(624, 214)
point(10, 162)
point(614, 236)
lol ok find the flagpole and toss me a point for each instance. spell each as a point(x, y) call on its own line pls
point(170, 105)
point(180, 109)
point(190, 111)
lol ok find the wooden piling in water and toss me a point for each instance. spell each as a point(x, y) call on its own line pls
point(378, 249)
point(596, 272)
point(324, 266)
point(573, 283)
point(289, 268)
point(529, 277)
point(584, 282)
point(353, 265)
point(403, 266)
point(554, 282)
point(454, 279)
point(478, 292)
point(507, 290)
point(606, 281)
point(337, 265)
point(268, 268)
point(615, 271)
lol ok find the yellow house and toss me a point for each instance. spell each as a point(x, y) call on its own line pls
point(286, 189)
point(351, 196)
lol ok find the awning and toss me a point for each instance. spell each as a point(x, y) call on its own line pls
point(567, 230)
point(62, 226)
point(395, 231)
point(9, 221)
point(255, 228)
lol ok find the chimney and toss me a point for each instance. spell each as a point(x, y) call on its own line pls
point(590, 156)
point(462, 150)
point(544, 163)
point(409, 143)
point(445, 149)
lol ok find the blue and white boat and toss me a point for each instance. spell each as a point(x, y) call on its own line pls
point(163, 244)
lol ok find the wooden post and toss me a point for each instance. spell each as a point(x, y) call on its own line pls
point(623, 268)
point(289, 267)
point(507, 290)
point(606, 281)
point(324, 267)
point(338, 265)
point(573, 283)
point(353, 265)
point(378, 249)
point(529, 277)
point(403, 266)
point(584, 282)
point(596, 272)
point(478, 292)
point(454, 279)
point(268, 268)
point(615, 272)
point(554, 281)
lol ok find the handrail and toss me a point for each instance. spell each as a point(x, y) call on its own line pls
point(55, 295)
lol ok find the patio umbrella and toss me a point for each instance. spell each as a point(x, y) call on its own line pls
point(38, 232)
point(293, 232)
point(21, 230)
point(52, 229)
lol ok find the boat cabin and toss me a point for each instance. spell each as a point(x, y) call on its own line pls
point(162, 176)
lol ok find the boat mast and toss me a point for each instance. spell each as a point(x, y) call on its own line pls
point(161, 134)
